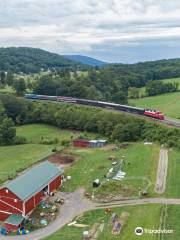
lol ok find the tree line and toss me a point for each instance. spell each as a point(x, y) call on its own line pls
point(115, 126)
point(158, 87)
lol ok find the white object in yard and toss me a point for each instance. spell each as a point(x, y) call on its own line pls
point(111, 170)
point(119, 176)
point(114, 163)
point(69, 177)
point(86, 234)
point(148, 143)
point(72, 223)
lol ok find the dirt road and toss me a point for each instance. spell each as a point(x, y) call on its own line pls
point(162, 172)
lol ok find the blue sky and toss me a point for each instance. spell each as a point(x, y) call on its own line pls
point(111, 30)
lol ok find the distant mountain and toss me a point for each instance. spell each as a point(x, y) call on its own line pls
point(31, 60)
point(86, 60)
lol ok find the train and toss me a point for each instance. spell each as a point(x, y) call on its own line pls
point(125, 108)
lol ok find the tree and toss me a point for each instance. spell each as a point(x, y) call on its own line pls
point(2, 78)
point(9, 78)
point(7, 132)
point(20, 86)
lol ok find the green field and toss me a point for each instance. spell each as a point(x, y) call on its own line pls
point(168, 103)
point(16, 158)
point(173, 178)
point(172, 221)
point(140, 162)
point(35, 132)
point(145, 216)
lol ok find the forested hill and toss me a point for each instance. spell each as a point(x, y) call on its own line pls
point(86, 60)
point(139, 74)
point(31, 60)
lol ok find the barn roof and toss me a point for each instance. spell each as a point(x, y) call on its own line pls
point(29, 183)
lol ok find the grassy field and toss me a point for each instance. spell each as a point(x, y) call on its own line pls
point(35, 132)
point(172, 222)
point(145, 216)
point(168, 103)
point(140, 162)
point(173, 178)
point(16, 158)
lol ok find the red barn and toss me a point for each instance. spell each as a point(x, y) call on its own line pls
point(23, 194)
point(81, 143)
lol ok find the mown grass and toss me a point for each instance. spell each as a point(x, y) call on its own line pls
point(173, 176)
point(145, 216)
point(172, 222)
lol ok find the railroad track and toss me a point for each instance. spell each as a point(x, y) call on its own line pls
point(172, 122)
point(167, 121)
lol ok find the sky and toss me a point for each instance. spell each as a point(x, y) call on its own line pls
point(124, 31)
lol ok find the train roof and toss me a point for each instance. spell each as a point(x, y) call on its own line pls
point(116, 104)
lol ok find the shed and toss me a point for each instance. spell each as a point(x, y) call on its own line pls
point(21, 195)
point(81, 143)
point(13, 222)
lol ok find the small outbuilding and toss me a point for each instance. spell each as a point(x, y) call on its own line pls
point(81, 143)
point(19, 197)
point(13, 222)
point(89, 143)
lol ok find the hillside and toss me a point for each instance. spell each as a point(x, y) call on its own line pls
point(31, 60)
point(86, 60)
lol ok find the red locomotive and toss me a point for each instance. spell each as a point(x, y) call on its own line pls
point(154, 114)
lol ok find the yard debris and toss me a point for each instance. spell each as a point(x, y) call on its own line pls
point(88, 195)
point(114, 218)
point(114, 163)
point(42, 214)
point(86, 235)
point(80, 225)
point(124, 145)
point(116, 228)
point(107, 210)
point(112, 158)
point(96, 183)
point(43, 222)
point(59, 200)
point(119, 176)
point(69, 177)
point(148, 143)
point(72, 223)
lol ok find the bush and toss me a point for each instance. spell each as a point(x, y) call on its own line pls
point(20, 140)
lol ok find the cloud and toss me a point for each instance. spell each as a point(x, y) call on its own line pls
point(102, 28)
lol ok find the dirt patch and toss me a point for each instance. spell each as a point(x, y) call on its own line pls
point(62, 159)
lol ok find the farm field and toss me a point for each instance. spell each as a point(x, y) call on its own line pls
point(94, 163)
point(173, 178)
point(172, 221)
point(16, 158)
point(145, 216)
point(167, 103)
point(35, 132)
